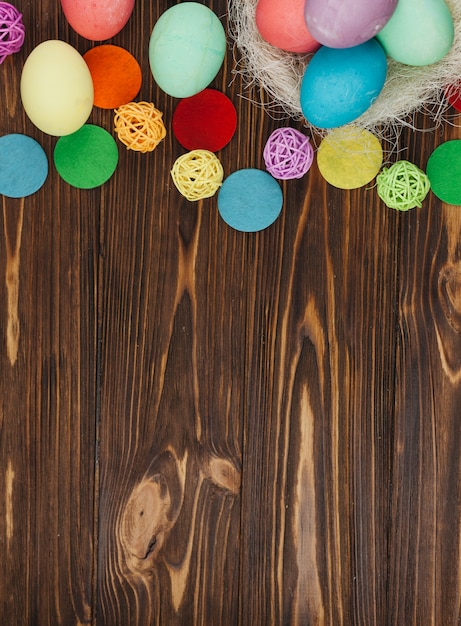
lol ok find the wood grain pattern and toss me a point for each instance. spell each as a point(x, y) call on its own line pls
point(200, 426)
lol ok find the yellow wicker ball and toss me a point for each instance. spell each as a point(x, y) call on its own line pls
point(139, 126)
point(197, 174)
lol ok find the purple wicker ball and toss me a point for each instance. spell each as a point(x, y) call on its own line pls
point(288, 154)
point(11, 30)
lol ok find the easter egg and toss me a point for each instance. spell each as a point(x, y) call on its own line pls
point(283, 25)
point(56, 88)
point(346, 23)
point(97, 20)
point(341, 84)
point(420, 32)
point(186, 49)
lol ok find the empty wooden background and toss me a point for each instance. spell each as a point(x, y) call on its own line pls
point(201, 426)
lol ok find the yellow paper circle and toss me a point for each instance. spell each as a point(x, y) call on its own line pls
point(349, 157)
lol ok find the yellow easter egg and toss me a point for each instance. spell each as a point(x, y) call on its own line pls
point(56, 88)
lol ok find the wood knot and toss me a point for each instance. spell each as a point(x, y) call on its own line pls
point(449, 287)
point(145, 522)
point(223, 473)
point(151, 512)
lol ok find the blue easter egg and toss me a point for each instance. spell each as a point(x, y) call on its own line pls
point(341, 84)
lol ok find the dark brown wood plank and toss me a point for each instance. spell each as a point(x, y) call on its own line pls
point(424, 575)
point(48, 328)
point(48, 388)
point(314, 475)
point(171, 402)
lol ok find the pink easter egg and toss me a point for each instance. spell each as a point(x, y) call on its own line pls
point(282, 25)
point(97, 20)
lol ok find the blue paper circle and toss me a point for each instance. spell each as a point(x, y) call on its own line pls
point(23, 166)
point(250, 200)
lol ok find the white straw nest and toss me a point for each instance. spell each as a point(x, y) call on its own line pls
point(407, 89)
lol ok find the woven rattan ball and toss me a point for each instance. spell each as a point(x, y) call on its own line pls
point(402, 186)
point(288, 154)
point(197, 174)
point(139, 125)
point(11, 30)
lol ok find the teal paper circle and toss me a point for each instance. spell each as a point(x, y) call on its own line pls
point(250, 200)
point(23, 166)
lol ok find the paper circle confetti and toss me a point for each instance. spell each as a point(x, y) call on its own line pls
point(139, 125)
point(453, 95)
point(250, 200)
point(402, 186)
point(116, 75)
point(288, 154)
point(12, 30)
point(197, 174)
point(349, 157)
point(207, 120)
point(87, 158)
point(444, 172)
point(23, 166)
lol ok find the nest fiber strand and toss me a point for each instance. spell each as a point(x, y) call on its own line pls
point(408, 89)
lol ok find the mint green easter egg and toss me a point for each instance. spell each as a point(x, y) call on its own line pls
point(186, 49)
point(420, 32)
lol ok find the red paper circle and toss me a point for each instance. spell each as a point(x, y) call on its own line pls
point(453, 96)
point(205, 121)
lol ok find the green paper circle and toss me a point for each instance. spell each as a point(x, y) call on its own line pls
point(87, 158)
point(444, 172)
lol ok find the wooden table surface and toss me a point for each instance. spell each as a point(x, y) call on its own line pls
point(202, 426)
